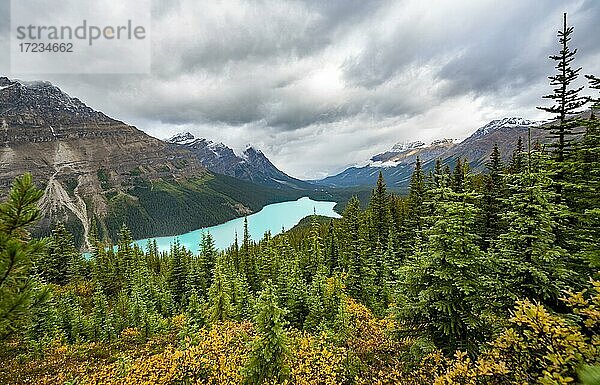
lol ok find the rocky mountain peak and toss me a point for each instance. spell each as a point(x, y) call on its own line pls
point(42, 98)
point(251, 150)
point(181, 138)
point(510, 122)
point(440, 142)
point(403, 146)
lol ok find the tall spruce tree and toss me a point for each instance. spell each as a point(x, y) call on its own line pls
point(567, 101)
point(493, 194)
point(315, 255)
point(350, 245)
point(517, 162)
point(295, 294)
point(380, 213)
point(332, 249)
point(207, 259)
point(458, 177)
point(178, 273)
point(416, 198)
point(247, 259)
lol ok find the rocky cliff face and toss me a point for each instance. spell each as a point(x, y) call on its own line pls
point(93, 167)
point(252, 165)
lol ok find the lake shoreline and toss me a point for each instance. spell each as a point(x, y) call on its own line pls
point(272, 218)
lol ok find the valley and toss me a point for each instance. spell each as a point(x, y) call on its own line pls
point(99, 173)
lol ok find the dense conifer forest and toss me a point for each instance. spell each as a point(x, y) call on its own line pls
point(470, 278)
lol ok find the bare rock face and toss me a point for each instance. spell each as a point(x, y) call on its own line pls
point(252, 165)
point(79, 155)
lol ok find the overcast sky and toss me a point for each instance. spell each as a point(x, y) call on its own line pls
point(320, 85)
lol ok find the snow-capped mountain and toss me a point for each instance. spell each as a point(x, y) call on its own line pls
point(251, 165)
point(408, 152)
point(182, 138)
point(399, 147)
point(504, 123)
point(397, 164)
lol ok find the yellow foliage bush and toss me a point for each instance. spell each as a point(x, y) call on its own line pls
point(540, 348)
point(215, 358)
point(316, 361)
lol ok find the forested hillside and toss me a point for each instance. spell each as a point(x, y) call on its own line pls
point(471, 278)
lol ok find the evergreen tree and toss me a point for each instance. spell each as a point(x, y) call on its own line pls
point(178, 274)
point(317, 313)
point(390, 269)
point(361, 270)
point(315, 256)
point(70, 318)
point(42, 326)
point(458, 177)
point(416, 198)
point(196, 312)
point(143, 314)
point(63, 259)
point(567, 101)
point(332, 249)
point(247, 259)
point(267, 362)
point(517, 162)
point(208, 257)
point(19, 292)
point(219, 296)
point(241, 297)
point(586, 172)
point(200, 269)
point(531, 265)
point(294, 294)
point(125, 253)
point(438, 172)
point(492, 198)
point(380, 212)
point(101, 326)
point(443, 286)
point(350, 232)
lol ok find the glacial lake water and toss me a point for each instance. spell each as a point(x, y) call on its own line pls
point(273, 218)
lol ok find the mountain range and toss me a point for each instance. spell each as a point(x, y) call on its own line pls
point(100, 173)
point(397, 164)
point(251, 165)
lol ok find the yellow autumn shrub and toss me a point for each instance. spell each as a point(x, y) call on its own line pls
point(316, 360)
point(215, 357)
point(541, 347)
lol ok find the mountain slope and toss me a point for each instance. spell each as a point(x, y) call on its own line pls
point(251, 166)
point(397, 164)
point(97, 169)
point(502, 132)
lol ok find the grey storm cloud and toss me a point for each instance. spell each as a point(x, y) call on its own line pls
point(293, 77)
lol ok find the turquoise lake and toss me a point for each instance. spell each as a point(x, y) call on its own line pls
point(273, 218)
